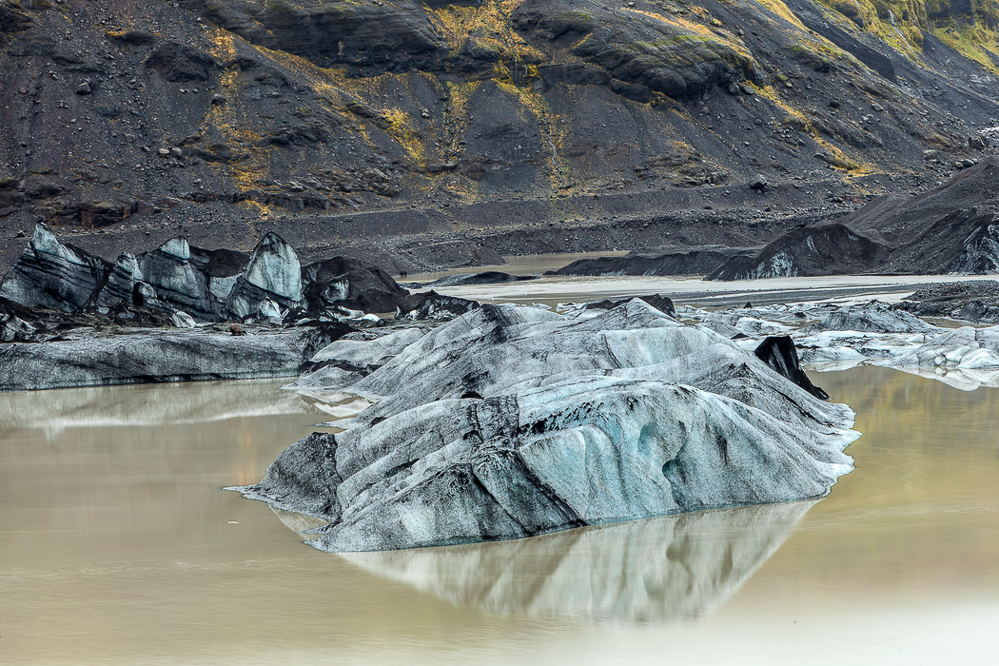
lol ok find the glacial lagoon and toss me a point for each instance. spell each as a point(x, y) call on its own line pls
point(119, 546)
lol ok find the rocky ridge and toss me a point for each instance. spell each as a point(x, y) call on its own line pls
point(947, 229)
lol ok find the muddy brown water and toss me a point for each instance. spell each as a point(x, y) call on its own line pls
point(118, 546)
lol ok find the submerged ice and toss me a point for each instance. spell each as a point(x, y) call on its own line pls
point(513, 421)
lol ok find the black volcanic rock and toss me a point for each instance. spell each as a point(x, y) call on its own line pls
point(13, 19)
point(662, 303)
point(344, 282)
point(633, 48)
point(827, 249)
point(690, 261)
point(179, 63)
point(779, 353)
point(976, 301)
point(949, 229)
point(384, 34)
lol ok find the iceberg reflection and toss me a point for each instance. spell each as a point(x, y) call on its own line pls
point(147, 404)
point(664, 569)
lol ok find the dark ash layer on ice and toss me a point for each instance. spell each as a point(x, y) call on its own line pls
point(185, 285)
point(151, 356)
point(514, 421)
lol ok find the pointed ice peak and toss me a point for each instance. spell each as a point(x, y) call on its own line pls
point(43, 240)
point(274, 266)
point(177, 247)
point(127, 262)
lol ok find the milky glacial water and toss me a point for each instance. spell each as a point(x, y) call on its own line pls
point(551, 290)
point(119, 546)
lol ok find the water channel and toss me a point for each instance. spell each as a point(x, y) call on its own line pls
point(119, 546)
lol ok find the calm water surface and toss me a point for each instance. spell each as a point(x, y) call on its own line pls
point(118, 546)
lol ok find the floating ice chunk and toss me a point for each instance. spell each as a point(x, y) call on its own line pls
point(979, 359)
point(368, 353)
point(513, 421)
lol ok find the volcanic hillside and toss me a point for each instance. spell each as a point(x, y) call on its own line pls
point(336, 120)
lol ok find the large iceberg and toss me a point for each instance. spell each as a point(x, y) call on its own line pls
point(513, 421)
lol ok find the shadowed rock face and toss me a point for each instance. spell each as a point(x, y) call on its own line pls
point(634, 49)
point(953, 228)
point(382, 36)
point(666, 569)
point(509, 422)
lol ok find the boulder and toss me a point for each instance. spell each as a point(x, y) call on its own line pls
point(513, 421)
point(348, 283)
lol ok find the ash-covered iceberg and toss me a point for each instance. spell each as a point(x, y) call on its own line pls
point(514, 421)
